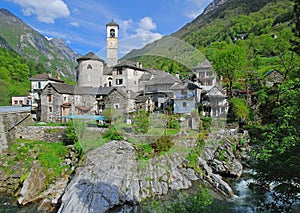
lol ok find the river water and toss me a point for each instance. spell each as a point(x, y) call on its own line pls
point(7, 206)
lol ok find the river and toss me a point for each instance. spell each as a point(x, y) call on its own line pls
point(7, 206)
point(244, 201)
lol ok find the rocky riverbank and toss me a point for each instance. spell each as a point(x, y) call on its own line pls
point(32, 184)
point(112, 175)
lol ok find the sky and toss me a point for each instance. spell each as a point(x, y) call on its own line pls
point(82, 23)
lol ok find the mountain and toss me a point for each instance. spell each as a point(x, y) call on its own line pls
point(231, 21)
point(27, 42)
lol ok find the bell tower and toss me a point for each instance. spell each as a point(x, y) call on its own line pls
point(112, 33)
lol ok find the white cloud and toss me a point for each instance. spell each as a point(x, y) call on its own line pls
point(74, 24)
point(138, 34)
point(45, 10)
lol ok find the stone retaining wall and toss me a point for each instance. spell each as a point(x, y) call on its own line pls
point(9, 123)
point(42, 133)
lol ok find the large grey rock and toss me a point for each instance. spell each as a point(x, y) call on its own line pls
point(112, 176)
point(33, 185)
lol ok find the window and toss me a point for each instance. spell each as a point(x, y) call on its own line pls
point(21, 102)
point(39, 86)
point(183, 104)
point(49, 98)
point(119, 81)
point(112, 33)
point(116, 106)
point(50, 109)
point(119, 72)
point(89, 67)
point(15, 102)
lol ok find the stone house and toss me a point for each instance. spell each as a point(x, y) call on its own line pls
point(205, 75)
point(128, 75)
point(215, 102)
point(121, 100)
point(37, 83)
point(144, 102)
point(20, 100)
point(57, 100)
point(273, 77)
point(61, 100)
point(186, 97)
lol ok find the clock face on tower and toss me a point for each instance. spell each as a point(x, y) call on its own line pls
point(112, 43)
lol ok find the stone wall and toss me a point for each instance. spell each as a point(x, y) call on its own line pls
point(43, 133)
point(9, 123)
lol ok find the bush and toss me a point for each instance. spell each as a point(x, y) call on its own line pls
point(71, 136)
point(163, 144)
point(144, 151)
point(113, 134)
point(142, 122)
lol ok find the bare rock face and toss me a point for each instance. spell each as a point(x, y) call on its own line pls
point(112, 176)
point(33, 185)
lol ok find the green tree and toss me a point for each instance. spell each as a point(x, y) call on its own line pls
point(277, 146)
point(230, 63)
point(296, 40)
point(142, 121)
point(240, 108)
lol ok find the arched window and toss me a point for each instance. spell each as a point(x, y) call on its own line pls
point(112, 33)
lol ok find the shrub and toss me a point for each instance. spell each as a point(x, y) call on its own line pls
point(144, 151)
point(142, 122)
point(163, 144)
point(113, 134)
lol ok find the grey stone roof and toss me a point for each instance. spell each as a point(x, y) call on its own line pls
point(142, 98)
point(63, 88)
point(178, 86)
point(112, 23)
point(90, 56)
point(93, 90)
point(216, 92)
point(107, 70)
point(206, 64)
point(161, 77)
point(73, 89)
point(45, 77)
point(130, 64)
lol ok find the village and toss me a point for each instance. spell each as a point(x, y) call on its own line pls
point(124, 86)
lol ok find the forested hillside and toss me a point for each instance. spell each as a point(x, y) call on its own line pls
point(251, 25)
point(14, 74)
point(53, 54)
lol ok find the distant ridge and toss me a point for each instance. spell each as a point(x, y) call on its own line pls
point(18, 36)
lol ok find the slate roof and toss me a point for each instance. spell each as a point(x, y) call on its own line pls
point(90, 56)
point(161, 77)
point(178, 86)
point(93, 90)
point(63, 88)
point(206, 64)
point(216, 92)
point(130, 64)
point(142, 98)
point(45, 77)
point(112, 23)
point(73, 89)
